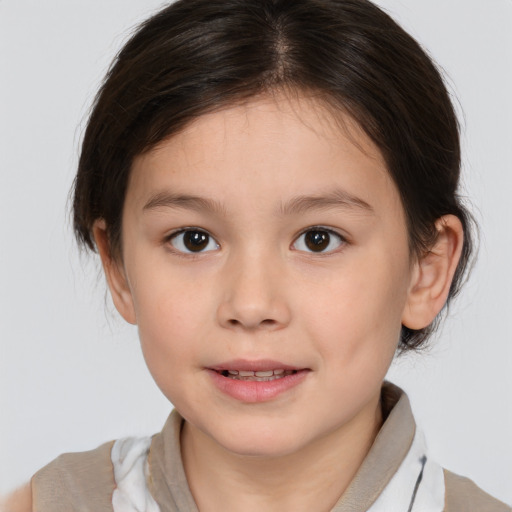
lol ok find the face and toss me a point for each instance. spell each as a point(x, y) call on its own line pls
point(266, 264)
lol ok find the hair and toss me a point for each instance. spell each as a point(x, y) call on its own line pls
point(199, 56)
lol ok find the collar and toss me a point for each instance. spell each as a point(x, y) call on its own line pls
point(386, 454)
point(168, 483)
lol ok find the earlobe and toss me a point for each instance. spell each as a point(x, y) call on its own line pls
point(114, 273)
point(433, 274)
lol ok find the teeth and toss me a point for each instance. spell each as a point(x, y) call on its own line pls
point(262, 376)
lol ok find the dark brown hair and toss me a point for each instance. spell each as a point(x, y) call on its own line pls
point(197, 56)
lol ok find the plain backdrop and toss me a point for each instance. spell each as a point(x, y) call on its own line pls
point(72, 375)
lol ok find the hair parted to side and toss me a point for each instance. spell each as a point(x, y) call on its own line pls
point(198, 56)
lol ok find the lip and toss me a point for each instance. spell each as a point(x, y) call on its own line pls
point(255, 391)
point(259, 365)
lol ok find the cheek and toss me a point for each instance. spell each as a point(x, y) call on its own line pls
point(359, 317)
point(171, 317)
point(165, 298)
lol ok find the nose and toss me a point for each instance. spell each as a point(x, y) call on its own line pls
point(254, 295)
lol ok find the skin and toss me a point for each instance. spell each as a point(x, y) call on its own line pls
point(18, 501)
point(259, 292)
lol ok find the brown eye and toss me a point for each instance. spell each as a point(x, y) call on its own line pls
point(190, 241)
point(318, 240)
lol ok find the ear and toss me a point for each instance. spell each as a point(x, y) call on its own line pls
point(114, 273)
point(433, 274)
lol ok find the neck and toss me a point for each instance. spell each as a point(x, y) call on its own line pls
point(312, 478)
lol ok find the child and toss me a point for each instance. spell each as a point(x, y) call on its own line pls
point(272, 188)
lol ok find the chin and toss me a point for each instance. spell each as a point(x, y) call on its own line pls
point(266, 442)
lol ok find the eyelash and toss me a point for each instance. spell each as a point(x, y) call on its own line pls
point(173, 236)
point(321, 229)
point(188, 253)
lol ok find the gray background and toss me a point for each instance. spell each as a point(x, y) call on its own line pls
point(71, 374)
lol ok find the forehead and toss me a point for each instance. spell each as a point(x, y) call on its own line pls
point(264, 151)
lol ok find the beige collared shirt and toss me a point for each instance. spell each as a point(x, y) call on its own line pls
point(84, 481)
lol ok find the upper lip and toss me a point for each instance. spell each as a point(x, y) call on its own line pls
point(253, 366)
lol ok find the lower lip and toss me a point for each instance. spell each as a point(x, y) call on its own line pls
point(256, 391)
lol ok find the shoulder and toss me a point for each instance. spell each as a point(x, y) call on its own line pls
point(19, 501)
point(463, 495)
point(84, 478)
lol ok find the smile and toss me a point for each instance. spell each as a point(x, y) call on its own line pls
point(256, 381)
point(259, 376)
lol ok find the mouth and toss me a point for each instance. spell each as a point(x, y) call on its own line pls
point(256, 376)
point(256, 381)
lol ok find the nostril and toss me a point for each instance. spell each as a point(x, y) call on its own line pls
point(252, 315)
point(268, 322)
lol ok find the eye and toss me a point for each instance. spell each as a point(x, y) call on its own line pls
point(318, 240)
point(193, 241)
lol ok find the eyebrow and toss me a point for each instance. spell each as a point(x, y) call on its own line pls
point(335, 199)
point(185, 201)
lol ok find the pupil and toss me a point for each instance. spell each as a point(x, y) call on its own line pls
point(195, 240)
point(317, 240)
